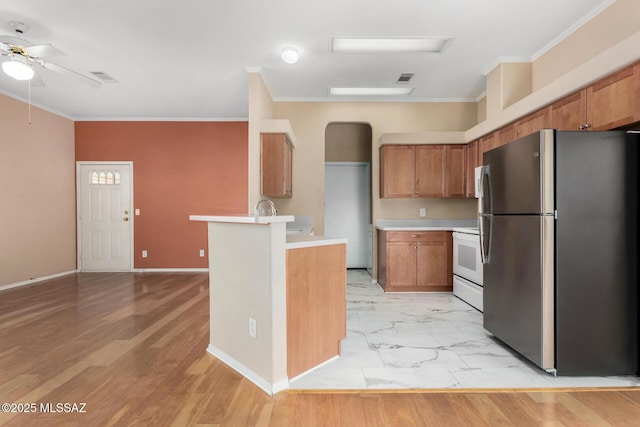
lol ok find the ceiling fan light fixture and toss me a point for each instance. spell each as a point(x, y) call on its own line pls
point(17, 69)
point(290, 55)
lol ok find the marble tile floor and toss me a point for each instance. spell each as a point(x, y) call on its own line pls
point(419, 340)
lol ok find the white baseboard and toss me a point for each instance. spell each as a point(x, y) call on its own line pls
point(266, 386)
point(170, 270)
point(36, 280)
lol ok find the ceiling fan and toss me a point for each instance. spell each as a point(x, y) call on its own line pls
point(24, 58)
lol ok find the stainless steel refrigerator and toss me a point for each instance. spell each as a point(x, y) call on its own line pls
point(559, 239)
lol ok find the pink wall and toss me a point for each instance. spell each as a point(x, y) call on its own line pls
point(179, 169)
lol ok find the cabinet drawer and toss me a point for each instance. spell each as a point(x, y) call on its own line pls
point(416, 236)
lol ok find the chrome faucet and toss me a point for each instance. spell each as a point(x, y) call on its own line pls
point(272, 208)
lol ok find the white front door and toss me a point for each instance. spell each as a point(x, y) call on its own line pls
point(104, 216)
point(347, 208)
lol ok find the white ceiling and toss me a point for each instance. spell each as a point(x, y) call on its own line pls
point(188, 59)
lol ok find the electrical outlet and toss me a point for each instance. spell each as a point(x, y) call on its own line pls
point(202, 252)
point(144, 253)
point(423, 212)
point(252, 327)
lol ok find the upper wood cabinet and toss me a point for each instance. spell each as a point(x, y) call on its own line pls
point(534, 122)
point(456, 184)
point(431, 171)
point(473, 161)
point(570, 113)
point(422, 171)
point(607, 104)
point(276, 161)
point(614, 101)
point(506, 134)
point(488, 142)
point(397, 171)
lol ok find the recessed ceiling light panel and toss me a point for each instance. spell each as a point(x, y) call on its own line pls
point(389, 45)
point(370, 91)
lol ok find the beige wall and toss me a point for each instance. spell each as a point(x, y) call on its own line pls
point(37, 187)
point(309, 120)
point(616, 23)
point(260, 108)
point(347, 142)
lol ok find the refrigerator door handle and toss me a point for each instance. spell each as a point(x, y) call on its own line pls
point(485, 191)
point(485, 237)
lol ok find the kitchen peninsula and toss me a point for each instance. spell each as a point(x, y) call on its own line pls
point(277, 302)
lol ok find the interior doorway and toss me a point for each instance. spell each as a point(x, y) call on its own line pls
point(105, 220)
point(347, 198)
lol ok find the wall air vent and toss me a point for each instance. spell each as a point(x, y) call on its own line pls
point(405, 77)
point(104, 76)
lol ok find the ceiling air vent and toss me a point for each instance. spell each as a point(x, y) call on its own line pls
point(405, 77)
point(104, 76)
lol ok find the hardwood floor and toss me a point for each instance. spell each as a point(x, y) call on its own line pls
point(131, 347)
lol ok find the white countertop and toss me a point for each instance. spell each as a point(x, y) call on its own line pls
point(296, 241)
point(424, 224)
point(243, 219)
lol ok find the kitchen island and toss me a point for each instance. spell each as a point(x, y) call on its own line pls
point(277, 302)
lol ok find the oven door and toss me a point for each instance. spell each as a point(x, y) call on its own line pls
point(467, 262)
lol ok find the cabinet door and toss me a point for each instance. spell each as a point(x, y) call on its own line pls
point(431, 261)
point(401, 264)
point(472, 163)
point(397, 171)
point(456, 170)
point(430, 171)
point(534, 122)
point(288, 170)
point(275, 165)
point(615, 100)
point(488, 142)
point(506, 134)
point(570, 113)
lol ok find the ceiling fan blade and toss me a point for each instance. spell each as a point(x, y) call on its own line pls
point(4, 47)
point(17, 41)
point(69, 73)
point(43, 50)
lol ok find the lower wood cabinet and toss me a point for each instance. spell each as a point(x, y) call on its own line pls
point(415, 261)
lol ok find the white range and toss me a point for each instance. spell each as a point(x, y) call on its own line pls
point(467, 266)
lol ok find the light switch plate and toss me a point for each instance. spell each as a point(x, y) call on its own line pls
point(202, 252)
point(137, 212)
point(423, 212)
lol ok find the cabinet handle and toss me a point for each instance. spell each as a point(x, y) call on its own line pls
point(415, 235)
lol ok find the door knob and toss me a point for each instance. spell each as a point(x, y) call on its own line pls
point(125, 219)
